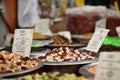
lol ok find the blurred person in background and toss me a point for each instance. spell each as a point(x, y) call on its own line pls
point(27, 13)
point(44, 8)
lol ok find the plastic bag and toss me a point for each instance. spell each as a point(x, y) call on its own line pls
point(82, 20)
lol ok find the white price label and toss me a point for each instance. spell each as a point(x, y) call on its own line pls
point(97, 39)
point(101, 23)
point(109, 66)
point(66, 34)
point(118, 30)
point(22, 41)
point(42, 27)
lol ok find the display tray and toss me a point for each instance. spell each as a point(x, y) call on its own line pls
point(77, 42)
point(41, 43)
point(96, 55)
point(33, 49)
point(13, 74)
point(84, 70)
point(68, 45)
point(36, 53)
point(71, 62)
point(60, 41)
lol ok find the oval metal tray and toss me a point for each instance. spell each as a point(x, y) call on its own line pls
point(77, 42)
point(40, 64)
point(69, 45)
point(96, 55)
point(84, 70)
point(71, 62)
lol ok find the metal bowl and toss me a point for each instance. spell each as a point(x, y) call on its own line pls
point(67, 66)
point(84, 70)
point(71, 62)
point(13, 74)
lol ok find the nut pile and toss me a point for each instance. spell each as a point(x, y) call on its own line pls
point(12, 62)
point(65, 54)
point(60, 40)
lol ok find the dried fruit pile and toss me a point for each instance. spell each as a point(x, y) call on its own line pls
point(60, 40)
point(65, 54)
point(12, 62)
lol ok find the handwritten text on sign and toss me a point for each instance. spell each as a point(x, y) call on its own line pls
point(109, 66)
point(97, 39)
point(22, 41)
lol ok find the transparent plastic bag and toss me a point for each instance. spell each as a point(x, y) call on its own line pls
point(82, 20)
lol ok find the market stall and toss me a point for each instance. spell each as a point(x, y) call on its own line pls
point(60, 40)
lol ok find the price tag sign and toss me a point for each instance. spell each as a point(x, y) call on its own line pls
point(97, 39)
point(101, 23)
point(66, 34)
point(118, 30)
point(42, 27)
point(109, 66)
point(22, 41)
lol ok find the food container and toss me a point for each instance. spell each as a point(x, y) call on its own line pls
point(60, 41)
point(13, 64)
point(88, 70)
point(82, 20)
point(21, 73)
point(33, 49)
point(66, 64)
